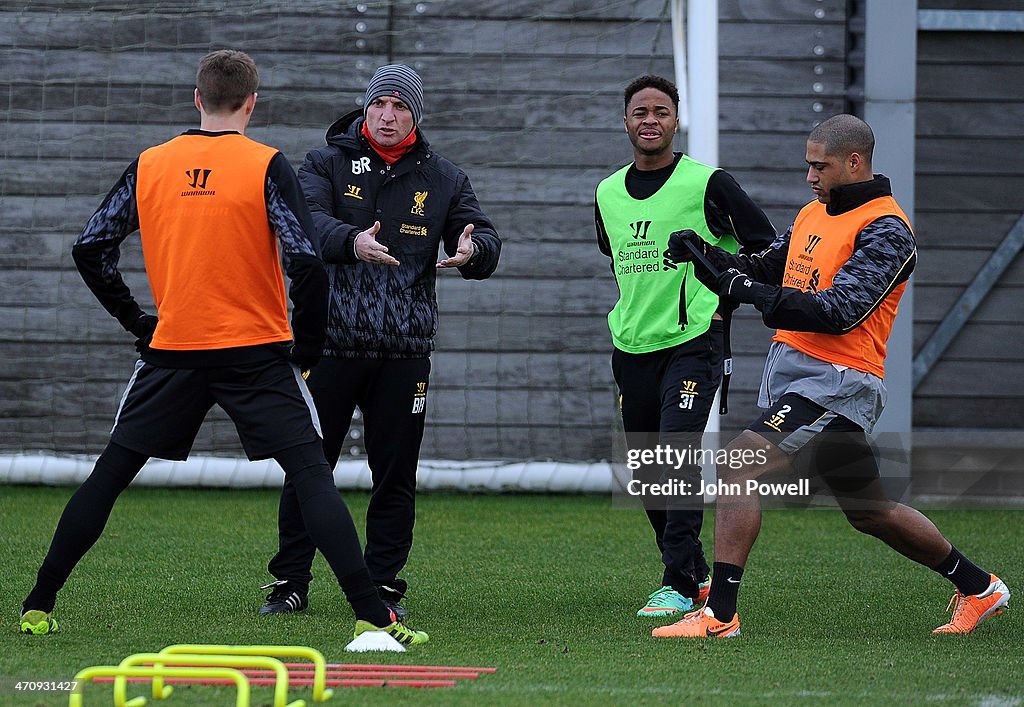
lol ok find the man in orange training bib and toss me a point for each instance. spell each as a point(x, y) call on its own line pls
point(830, 285)
point(213, 207)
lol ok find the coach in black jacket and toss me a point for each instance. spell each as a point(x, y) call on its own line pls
point(382, 202)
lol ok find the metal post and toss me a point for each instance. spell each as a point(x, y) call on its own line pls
point(679, 61)
point(702, 80)
point(696, 66)
point(890, 71)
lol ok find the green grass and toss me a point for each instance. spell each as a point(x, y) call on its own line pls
point(543, 588)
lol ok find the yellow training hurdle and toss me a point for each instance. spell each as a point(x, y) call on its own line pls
point(120, 672)
point(320, 691)
point(160, 660)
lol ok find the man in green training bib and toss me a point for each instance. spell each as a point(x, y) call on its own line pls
point(667, 328)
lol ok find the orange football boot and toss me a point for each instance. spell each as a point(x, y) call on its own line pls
point(970, 610)
point(700, 624)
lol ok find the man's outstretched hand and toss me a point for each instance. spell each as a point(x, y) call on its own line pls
point(465, 251)
point(369, 250)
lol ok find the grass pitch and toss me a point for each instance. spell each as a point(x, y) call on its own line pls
point(544, 588)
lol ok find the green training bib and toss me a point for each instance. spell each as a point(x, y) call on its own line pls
point(646, 316)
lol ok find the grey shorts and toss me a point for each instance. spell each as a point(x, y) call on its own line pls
point(856, 395)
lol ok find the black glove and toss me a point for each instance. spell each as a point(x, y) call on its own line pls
point(678, 252)
point(143, 328)
point(304, 357)
point(737, 286)
point(705, 276)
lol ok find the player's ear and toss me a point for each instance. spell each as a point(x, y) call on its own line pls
point(198, 101)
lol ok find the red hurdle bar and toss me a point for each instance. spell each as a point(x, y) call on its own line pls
point(419, 674)
point(352, 682)
point(372, 666)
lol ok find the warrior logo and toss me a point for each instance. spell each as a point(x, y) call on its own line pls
point(197, 177)
point(197, 182)
point(640, 229)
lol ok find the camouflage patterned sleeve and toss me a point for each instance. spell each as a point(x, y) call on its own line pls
point(98, 249)
point(884, 256)
point(765, 266)
point(290, 220)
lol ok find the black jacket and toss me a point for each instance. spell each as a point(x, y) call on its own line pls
point(421, 201)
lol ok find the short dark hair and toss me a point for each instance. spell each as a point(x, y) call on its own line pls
point(844, 134)
point(650, 81)
point(225, 79)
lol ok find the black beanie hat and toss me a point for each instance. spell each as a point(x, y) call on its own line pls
point(400, 81)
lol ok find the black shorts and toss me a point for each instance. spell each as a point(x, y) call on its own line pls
point(162, 409)
point(820, 443)
point(671, 390)
point(665, 399)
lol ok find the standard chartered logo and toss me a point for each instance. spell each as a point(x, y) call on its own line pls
point(637, 257)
